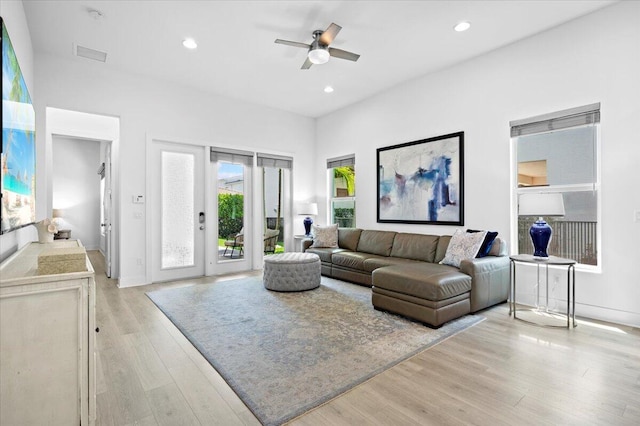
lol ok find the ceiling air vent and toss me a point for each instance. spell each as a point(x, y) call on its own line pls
point(88, 53)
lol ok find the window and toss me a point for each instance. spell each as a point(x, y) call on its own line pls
point(558, 153)
point(342, 187)
point(276, 172)
point(233, 188)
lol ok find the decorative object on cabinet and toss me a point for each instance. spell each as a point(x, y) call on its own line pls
point(46, 230)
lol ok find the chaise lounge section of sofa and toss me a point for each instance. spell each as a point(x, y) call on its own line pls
point(406, 277)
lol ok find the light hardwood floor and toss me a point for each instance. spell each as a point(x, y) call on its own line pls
point(500, 371)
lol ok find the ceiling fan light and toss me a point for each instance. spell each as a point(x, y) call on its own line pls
point(319, 56)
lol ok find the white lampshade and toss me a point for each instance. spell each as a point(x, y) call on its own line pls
point(308, 209)
point(541, 204)
point(319, 56)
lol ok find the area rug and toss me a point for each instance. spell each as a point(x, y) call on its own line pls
point(285, 353)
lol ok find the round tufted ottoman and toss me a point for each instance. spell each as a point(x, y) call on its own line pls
point(291, 271)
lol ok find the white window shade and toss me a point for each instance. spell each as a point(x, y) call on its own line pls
point(234, 156)
point(275, 161)
point(588, 114)
point(346, 160)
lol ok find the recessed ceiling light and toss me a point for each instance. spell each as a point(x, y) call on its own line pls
point(328, 89)
point(462, 26)
point(189, 43)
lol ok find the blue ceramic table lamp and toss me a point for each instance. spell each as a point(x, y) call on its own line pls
point(540, 204)
point(307, 209)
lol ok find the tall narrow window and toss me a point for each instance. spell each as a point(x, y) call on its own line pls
point(276, 171)
point(232, 192)
point(558, 153)
point(342, 196)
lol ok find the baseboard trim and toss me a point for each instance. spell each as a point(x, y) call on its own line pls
point(134, 281)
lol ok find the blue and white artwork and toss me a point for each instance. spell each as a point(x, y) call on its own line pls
point(422, 181)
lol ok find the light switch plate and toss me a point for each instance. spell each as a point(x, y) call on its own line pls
point(138, 199)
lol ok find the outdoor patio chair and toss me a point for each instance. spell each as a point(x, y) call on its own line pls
point(270, 240)
point(235, 242)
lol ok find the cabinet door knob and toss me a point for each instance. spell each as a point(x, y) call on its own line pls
point(97, 329)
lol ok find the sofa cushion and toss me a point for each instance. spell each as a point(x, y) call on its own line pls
point(348, 238)
point(463, 246)
point(325, 254)
point(441, 250)
point(415, 246)
point(424, 280)
point(376, 242)
point(325, 236)
point(351, 259)
point(373, 263)
point(487, 243)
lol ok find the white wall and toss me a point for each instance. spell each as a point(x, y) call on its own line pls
point(14, 18)
point(169, 112)
point(595, 58)
point(76, 188)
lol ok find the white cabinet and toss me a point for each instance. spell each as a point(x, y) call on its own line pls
point(47, 342)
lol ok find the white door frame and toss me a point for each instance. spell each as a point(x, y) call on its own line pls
point(159, 274)
point(215, 266)
point(98, 127)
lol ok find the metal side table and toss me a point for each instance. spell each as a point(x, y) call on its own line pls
point(553, 261)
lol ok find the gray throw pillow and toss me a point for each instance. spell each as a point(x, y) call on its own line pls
point(462, 246)
point(325, 236)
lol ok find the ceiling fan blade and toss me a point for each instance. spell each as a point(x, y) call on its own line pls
point(343, 54)
point(293, 43)
point(307, 64)
point(330, 33)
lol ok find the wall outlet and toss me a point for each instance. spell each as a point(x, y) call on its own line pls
point(137, 215)
point(139, 261)
point(636, 216)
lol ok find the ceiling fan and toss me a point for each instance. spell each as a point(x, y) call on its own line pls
point(319, 50)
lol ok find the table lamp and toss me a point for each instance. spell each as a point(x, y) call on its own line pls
point(540, 204)
point(308, 209)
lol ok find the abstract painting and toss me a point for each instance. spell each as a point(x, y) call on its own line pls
point(422, 181)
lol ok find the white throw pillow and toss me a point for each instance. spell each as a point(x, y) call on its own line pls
point(325, 236)
point(463, 245)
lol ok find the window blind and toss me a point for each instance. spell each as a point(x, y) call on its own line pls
point(588, 114)
point(275, 161)
point(345, 160)
point(235, 156)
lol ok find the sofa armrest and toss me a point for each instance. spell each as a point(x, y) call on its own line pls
point(490, 280)
point(306, 243)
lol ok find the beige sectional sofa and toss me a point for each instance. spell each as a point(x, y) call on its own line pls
point(406, 277)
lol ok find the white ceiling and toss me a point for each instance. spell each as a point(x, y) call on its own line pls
point(237, 56)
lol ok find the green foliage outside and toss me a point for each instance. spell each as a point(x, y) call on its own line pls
point(343, 213)
point(230, 214)
point(347, 173)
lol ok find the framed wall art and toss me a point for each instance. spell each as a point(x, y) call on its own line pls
point(422, 181)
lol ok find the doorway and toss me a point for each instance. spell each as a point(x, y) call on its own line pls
point(178, 211)
point(82, 132)
point(233, 193)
